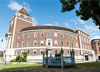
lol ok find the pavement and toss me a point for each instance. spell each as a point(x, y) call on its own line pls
point(1, 64)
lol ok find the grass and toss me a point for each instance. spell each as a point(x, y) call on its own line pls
point(89, 64)
point(19, 66)
point(33, 65)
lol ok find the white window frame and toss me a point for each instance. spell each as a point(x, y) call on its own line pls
point(55, 34)
point(28, 43)
point(28, 53)
point(18, 44)
point(34, 42)
point(55, 43)
point(34, 51)
point(68, 44)
point(55, 51)
point(17, 52)
point(61, 43)
point(41, 51)
point(35, 35)
point(22, 51)
point(67, 35)
point(61, 35)
point(76, 45)
point(19, 36)
point(42, 42)
point(23, 35)
point(23, 43)
point(42, 34)
point(29, 35)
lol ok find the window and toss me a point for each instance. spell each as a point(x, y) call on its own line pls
point(28, 52)
point(62, 43)
point(49, 34)
point(68, 52)
point(99, 48)
point(35, 42)
point(61, 35)
point(72, 44)
point(67, 35)
point(23, 43)
point(98, 43)
point(34, 52)
point(29, 35)
point(55, 34)
point(71, 36)
point(76, 44)
point(28, 43)
point(56, 51)
point(42, 34)
point(55, 42)
point(25, 16)
point(35, 35)
point(23, 35)
point(67, 43)
point(41, 52)
point(17, 52)
point(18, 44)
point(19, 36)
point(49, 42)
point(22, 52)
point(76, 37)
point(42, 42)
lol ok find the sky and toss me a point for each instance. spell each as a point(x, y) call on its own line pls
point(44, 12)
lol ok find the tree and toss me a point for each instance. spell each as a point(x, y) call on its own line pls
point(87, 9)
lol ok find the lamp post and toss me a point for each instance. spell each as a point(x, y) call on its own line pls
point(62, 60)
point(46, 54)
point(73, 52)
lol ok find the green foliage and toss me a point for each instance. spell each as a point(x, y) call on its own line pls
point(13, 60)
point(20, 58)
point(25, 56)
point(87, 9)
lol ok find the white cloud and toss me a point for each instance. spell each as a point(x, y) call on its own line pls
point(51, 17)
point(75, 22)
point(16, 6)
point(96, 37)
point(81, 21)
point(67, 25)
point(48, 24)
point(90, 28)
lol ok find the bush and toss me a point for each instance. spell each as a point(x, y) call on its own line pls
point(20, 58)
point(25, 56)
point(13, 60)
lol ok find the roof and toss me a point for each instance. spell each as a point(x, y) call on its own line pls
point(23, 11)
point(47, 27)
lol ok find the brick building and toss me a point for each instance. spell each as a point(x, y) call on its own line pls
point(23, 35)
point(96, 47)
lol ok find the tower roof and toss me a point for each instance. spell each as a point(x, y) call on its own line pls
point(23, 11)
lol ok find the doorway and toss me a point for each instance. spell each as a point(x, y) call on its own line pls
point(86, 57)
point(98, 57)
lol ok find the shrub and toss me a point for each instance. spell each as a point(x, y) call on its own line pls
point(14, 60)
point(20, 58)
point(25, 56)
